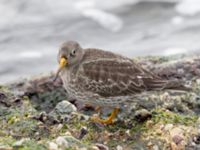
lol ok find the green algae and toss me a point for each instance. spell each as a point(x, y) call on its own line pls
point(167, 117)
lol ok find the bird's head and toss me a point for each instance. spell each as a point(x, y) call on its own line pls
point(70, 55)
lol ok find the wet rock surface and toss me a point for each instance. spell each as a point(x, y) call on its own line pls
point(37, 114)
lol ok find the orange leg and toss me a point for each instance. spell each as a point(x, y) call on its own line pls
point(108, 120)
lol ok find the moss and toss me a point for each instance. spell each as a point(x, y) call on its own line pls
point(7, 140)
point(139, 127)
point(167, 117)
point(32, 145)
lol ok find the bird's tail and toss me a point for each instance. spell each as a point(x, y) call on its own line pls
point(177, 85)
point(160, 84)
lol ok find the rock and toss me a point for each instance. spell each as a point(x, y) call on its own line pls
point(83, 132)
point(4, 147)
point(177, 139)
point(101, 146)
point(197, 139)
point(82, 148)
point(59, 127)
point(2, 96)
point(53, 146)
point(94, 148)
point(168, 127)
point(62, 112)
point(20, 142)
point(142, 115)
point(69, 141)
point(65, 107)
point(176, 131)
point(61, 142)
point(155, 147)
point(119, 147)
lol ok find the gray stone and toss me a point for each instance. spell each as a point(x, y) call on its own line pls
point(168, 127)
point(69, 141)
point(119, 147)
point(62, 112)
point(101, 146)
point(65, 107)
point(177, 139)
point(142, 115)
point(53, 146)
point(20, 142)
point(61, 142)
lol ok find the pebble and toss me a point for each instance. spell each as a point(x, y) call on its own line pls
point(102, 147)
point(176, 131)
point(155, 147)
point(62, 142)
point(94, 148)
point(119, 147)
point(177, 139)
point(65, 107)
point(83, 132)
point(59, 127)
point(53, 146)
point(149, 144)
point(142, 115)
point(20, 142)
point(168, 127)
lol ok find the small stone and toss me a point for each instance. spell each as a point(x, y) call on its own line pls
point(142, 115)
point(176, 131)
point(62, 142)
point(62, 112)
point(94, 148)
point(5, 147)
point(198, 81)
point(168, 127)
point(149, 123)
point(37, 133)
point(177, 139)
point(83, 132)
point(83, 148)
point(68, 133)
point(20, 142)
point(197, 139)
point(41, 117)
point(2, 96)
point(173, 146)
point(119, 147)
point(162, 127)
point(128, 132)
point(155, 147)
point(102, 147)
point(84, 117)
point(69, 141)
point(65, 107)
point(53, 146)
point(59, 127)
point(149, 144)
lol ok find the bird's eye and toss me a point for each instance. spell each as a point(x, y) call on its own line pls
point(72, 54)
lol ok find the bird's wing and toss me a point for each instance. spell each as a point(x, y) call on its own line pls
point(116, 77)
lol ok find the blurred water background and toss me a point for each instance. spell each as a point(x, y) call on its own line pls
point(32, 30)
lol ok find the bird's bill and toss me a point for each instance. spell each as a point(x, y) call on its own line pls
point(63, 62)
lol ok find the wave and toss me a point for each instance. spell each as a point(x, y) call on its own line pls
point(188, 7)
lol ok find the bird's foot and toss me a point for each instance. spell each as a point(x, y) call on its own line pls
point(108, 120)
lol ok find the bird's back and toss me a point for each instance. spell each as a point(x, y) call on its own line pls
point(108, 74)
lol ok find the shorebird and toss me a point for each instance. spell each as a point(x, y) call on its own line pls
point(105, 79)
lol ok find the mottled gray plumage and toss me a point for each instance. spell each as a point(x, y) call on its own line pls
point(104, 78)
